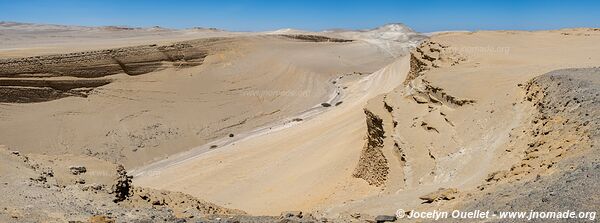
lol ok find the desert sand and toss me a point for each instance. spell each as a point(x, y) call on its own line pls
point(344, 125)
point(176, 104)
point(454, 124)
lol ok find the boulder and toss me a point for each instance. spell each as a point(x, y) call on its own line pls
point(385, 218)
point(76, 170)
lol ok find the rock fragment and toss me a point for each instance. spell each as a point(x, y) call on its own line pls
point(385, 218)
point(76, 170)
point(440, 194)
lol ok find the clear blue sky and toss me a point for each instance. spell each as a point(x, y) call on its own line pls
point(245, 15)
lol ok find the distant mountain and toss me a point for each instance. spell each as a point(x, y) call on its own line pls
point(389, 32)
point(393, 27)
point(392, 38)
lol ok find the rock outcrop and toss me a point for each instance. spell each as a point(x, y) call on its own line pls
point(563, 124)
point(373, 165)
point(430, 55)
point(44, 78)
point(409, 161)
point(37, 189)
point(558, 146)
point(92, 64)
point(122, 187)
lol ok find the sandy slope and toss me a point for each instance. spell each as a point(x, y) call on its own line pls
point(240, 121)
point(443, 144)
point(454, 123)
point(301, 167)
point(139, 118)
point(141, 103)
point(559, 166)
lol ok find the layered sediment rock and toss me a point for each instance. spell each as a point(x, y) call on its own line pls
point(373, 166)
point(315, 38)
point(92, 64)
point(430, 55)
point(401, 161)
point(42, 78)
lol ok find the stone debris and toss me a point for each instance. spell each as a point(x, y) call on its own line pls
point(440, 194)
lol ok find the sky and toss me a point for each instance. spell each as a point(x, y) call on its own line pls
point(246, 15)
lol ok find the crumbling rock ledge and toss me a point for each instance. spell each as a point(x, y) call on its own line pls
point(373, 166)
point(425, 92)
point(430, 55)
point(564, 122)
point(559, 165)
